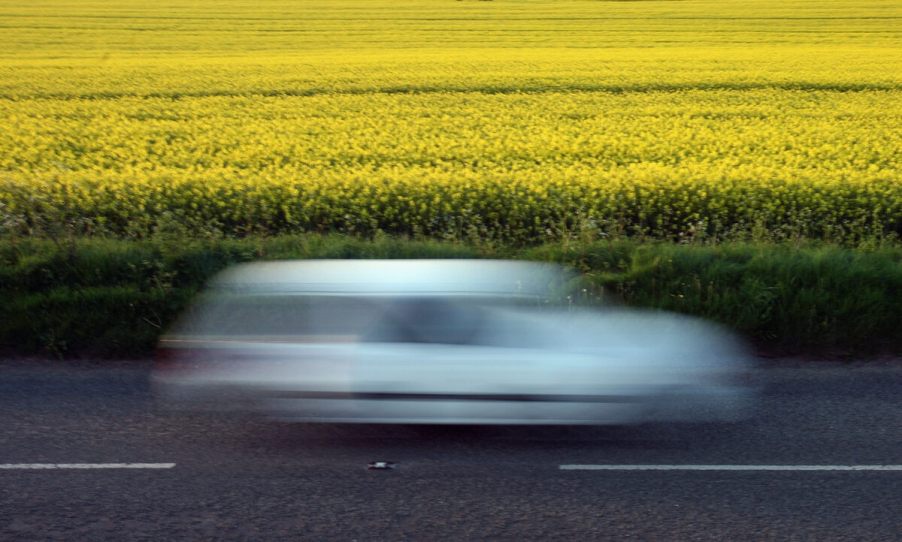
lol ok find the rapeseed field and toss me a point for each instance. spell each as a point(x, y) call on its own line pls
point(518, 121)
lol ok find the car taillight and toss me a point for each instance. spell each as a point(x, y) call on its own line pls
point(170, 359)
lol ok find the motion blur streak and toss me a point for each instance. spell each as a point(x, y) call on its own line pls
point(441, 341)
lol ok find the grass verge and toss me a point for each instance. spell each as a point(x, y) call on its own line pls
point(104, 297)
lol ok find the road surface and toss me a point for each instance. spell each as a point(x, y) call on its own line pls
point(87, 456)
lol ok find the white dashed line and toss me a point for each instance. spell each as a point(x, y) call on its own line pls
point(798, 468)
point(45, 466)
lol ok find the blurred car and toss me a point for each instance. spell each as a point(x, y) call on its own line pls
point(440, 342)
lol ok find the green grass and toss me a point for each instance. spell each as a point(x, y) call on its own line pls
point(113, 297)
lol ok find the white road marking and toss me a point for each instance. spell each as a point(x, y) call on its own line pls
point(736, 467)
point(45, 466)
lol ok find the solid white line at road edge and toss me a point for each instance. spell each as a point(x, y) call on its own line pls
point(44, 466)
point(737, 467)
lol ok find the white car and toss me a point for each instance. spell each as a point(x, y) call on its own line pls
point(441, 342)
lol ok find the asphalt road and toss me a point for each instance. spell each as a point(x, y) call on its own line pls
point(243, 478)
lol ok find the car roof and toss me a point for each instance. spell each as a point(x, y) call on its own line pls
point(394, 277)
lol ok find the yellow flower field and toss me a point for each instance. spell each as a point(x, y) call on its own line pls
point(510, 120)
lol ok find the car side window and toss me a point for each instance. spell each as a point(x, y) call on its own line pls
point(428, 321)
